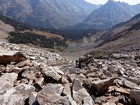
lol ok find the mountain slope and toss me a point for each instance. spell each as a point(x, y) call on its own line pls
point(47, 13)
point(109, 15)
point(16, 32)
point(122, 37)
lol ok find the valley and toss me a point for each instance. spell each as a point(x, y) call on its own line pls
point(69, 52)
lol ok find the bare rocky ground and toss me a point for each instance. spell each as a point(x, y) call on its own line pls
point(4, 30)
point(35, 76)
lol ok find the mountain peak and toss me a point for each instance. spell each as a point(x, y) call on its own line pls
point(110, 1)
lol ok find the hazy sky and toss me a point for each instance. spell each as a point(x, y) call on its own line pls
point(104, 1)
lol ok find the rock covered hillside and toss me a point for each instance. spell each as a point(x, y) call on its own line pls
point(124, 37)
point(39, 77)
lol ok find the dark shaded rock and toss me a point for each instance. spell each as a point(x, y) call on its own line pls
point(134, 96)
point(6, 57)
point(102, 86)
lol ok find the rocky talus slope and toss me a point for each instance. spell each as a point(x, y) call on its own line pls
point(34, 76)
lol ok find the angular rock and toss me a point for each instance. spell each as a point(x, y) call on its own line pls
point(23, 63)
point(129, 84)
point(88, 101)
point(50, 72)
point(65, 101)
point(81, 96)
point(67, 89)
point(4, 85)
point(79, 93)
point(76, 85)
point(17, 95)
point(9, 77)
point(50, 94)
point(11, 97)
point(32, 99)
point(135, 97)
point(6, 57)
point(40, 81)
point(38, 84)
point(102, 86)
point(29, 74)
point(25, 90)
point(122, 91)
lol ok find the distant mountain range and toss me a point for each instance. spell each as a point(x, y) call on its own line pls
point(109, 15)
point(47, 13)
point(68, 14)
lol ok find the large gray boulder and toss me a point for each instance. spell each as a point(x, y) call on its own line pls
point(80, 94)
point(7, 81)
point(54, 73)
point(17, 95)
point(50, 94)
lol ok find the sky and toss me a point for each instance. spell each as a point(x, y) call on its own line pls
point(132, 2)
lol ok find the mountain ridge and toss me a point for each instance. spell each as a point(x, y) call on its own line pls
point(47, 13)
point(109, 15)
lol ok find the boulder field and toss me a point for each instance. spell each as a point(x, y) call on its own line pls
point(35, 76)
